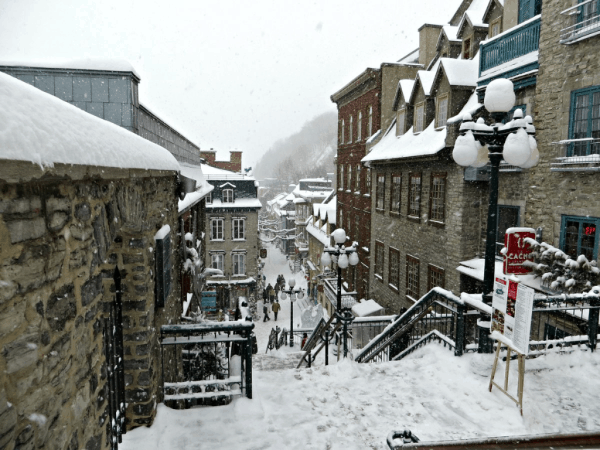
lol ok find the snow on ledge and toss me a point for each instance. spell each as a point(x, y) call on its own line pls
point(109, 65)
point(42, 129)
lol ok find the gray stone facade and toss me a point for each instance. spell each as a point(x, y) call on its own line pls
point(63, 231)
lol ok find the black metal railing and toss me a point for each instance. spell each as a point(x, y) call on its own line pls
point(115, 370)
point(206, 363)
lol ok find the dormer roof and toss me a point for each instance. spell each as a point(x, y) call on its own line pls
point(449, 33)
point(424, 80)
point(404, 89)
point(488, 10)
point(473, 16)
point(459, 72)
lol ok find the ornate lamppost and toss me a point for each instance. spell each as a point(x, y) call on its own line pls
point(479, 142)
point(283, 293)
point(342, 256)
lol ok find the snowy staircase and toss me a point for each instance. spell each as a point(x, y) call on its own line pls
point(266, 362)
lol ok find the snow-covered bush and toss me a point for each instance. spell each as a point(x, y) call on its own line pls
point(559, 272)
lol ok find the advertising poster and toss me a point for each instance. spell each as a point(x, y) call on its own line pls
point(512, 304)
point(516, 250)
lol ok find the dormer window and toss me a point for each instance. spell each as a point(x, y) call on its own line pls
point(419, 117)
point(442, 110)
point(400, 122)
point(227, 195)
point(209, 198)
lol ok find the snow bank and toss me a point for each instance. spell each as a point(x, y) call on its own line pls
point(40, 128)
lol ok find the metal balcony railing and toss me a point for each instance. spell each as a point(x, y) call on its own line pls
point(581, 21)
point(510, 45)
point(577, 155)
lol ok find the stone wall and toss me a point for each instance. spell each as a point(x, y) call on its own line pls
point(563, 69)
point(63, 231)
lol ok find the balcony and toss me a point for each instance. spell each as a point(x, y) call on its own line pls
point(512, 54)
point(582, 21)
point(577, 155)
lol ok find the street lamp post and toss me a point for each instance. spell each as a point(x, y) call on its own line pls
point(478, 142)
point(291, 292)
point(342, 256)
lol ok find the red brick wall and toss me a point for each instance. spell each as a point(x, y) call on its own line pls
point(353, 203)
point(234, 164)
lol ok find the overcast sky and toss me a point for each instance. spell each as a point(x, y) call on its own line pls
point(227, 74)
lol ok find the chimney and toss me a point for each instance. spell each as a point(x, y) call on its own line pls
point(428, 37)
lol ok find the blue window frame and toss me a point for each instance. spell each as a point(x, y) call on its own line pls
point(579, 236)
point(588, 13)
point(585, 121)
point(529, 9)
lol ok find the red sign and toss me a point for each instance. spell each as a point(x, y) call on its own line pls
point(516, 250)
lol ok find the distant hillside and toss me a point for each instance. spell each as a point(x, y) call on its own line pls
point(308, 153)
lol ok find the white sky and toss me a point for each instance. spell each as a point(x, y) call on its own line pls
point(227, 74)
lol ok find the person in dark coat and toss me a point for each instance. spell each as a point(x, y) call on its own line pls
point(267, 295)
point(271, 293)
point(276, 307)
point(266, 312)
point(304, 339)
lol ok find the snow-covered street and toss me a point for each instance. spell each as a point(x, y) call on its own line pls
point(350, 406)
point(354, 406)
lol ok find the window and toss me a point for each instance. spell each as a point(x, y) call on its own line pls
point(341, 168)
point(394, 269)
point(412, 277)
point(588, 16)
point(379, 257)
point(227, 195)
point(209, 198)
point(437, 195)
point(529, 9)
point(508, 217)
point(496, 27)
point(467, 49)
point(579, 236)
point(396, 193)
point(380, 194)
point(357, 236)
point(239, 263)
point(357, 179)
point(359, 127)
point(400, 123)
point(435, 277)
point(349, 185)
point(349, 225)
point(350, 131)
point(370, 126)
point(414, 195)
point(442, 113)
point(341, 218)
point(238, 229)
point(420, 118)
point(585, 121)
point(343, 132)
point(368, 182)
point(216, 260)
point(216, 229)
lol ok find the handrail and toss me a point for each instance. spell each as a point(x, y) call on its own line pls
point(434, 334)
point(408, 320)
point(512, 44)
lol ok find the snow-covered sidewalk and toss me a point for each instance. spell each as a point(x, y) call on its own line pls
point(350, 406)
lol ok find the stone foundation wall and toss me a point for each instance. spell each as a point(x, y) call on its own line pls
point(63, 232)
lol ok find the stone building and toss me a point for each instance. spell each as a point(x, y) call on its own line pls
point(108, 90)
point(364, 112)
point(88, 227)
point(232, 235)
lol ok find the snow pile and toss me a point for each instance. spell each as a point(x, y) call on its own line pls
point(40, 128)
point(354, 406)
point(409, 145)
point(367, 308)
point(202, 186)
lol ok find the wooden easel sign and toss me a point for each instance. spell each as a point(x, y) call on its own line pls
point(512, 307)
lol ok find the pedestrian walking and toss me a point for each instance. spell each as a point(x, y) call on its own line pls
point(277, 289)
point(276, 308)
point(266, 312)
point(265, 294)
point(271, 293)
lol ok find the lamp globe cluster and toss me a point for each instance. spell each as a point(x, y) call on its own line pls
point(516, 136)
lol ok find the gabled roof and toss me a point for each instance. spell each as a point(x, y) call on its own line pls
point(488, 10)
point(474, 16)
point(404, 88)
point(459, 72)
point(448, 32)
point(424, 80)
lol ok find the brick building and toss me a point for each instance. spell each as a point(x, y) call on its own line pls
point(364, 111)
point(233, 165)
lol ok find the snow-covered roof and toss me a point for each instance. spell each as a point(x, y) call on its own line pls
point(450, 32)
point(426, 81)
point(45, 130)
point(366, 308)
point(214, 173)
point(102, 64)
point(404, 88)
point(409, 145)
point(476, 11)
point(318, 234)
point(411, 58)
point(202, 186)
point(311, 195)
point(471, 107)
point(237, 203)
point(460, 72)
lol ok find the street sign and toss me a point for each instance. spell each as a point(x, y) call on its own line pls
point(516, 250)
